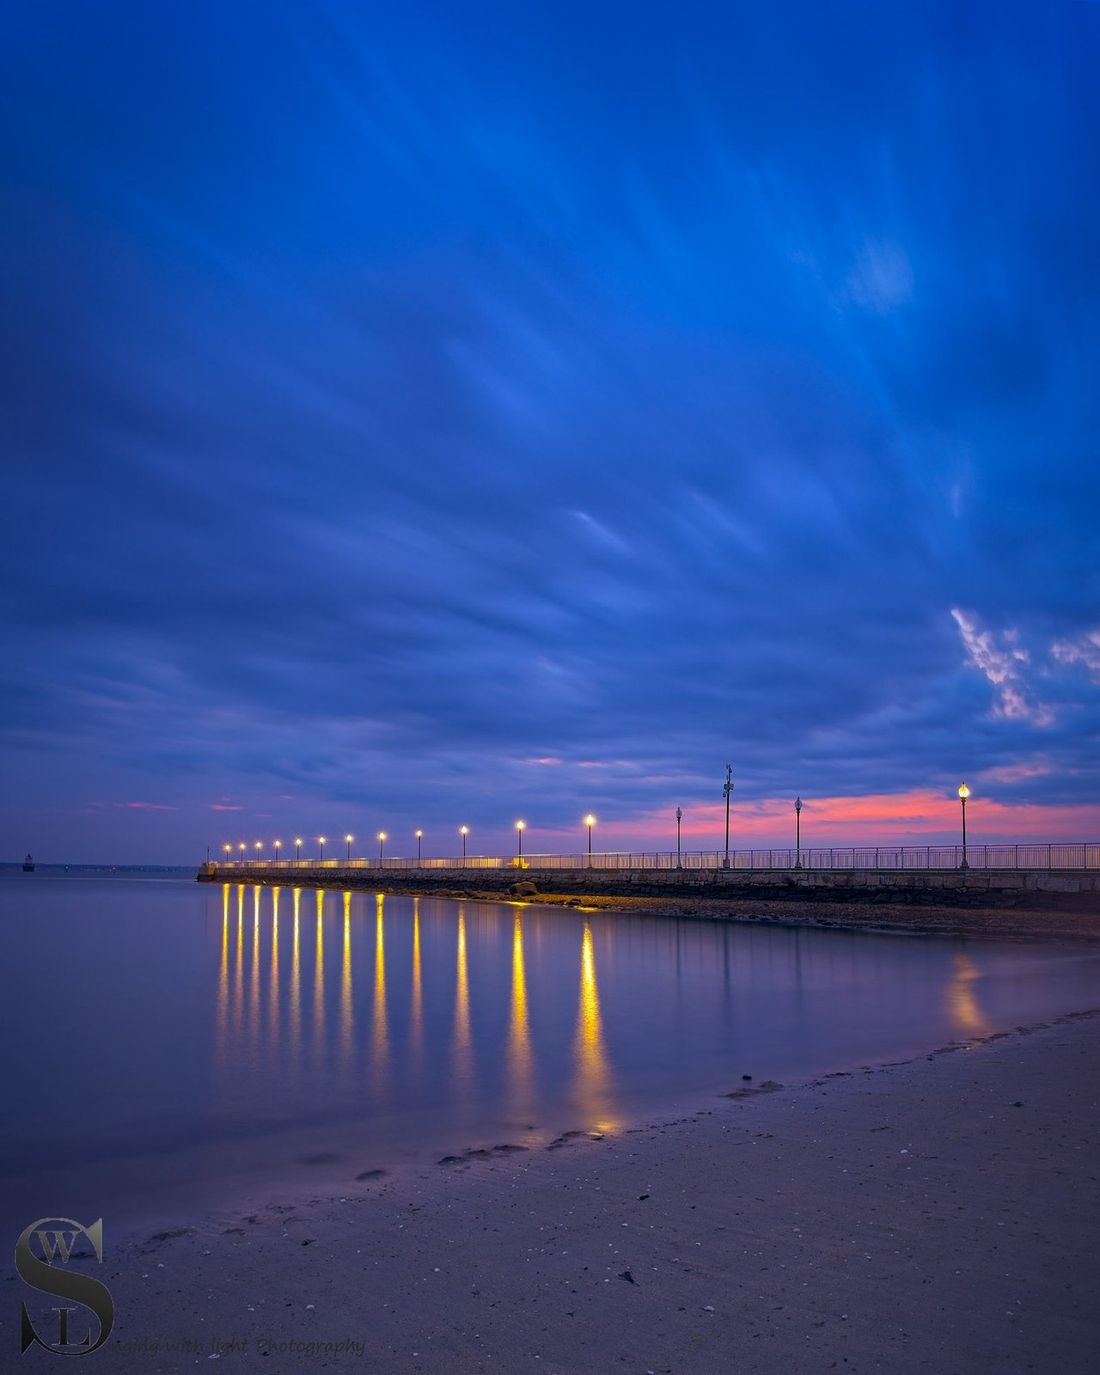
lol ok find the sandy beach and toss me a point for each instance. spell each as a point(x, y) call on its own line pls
point(939, 1214)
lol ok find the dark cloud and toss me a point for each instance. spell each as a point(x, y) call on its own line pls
point(389, 405)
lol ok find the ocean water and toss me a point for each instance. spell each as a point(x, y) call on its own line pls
point(174, 1046)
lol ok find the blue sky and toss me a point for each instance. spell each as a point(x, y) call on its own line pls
point(450, 414)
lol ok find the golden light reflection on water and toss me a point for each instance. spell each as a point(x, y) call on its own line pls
point(273, 986)
point(319, 981)
point(961, 1000)
point(347, 1016)
point(520, 1064)
point(567, 1048)
point(462, 1054)
point(221, 1029)
point(380, 1041)
point(416, 997)
point(238, 968)
point(254, 971)
point(296, 984)
point(592, 1084)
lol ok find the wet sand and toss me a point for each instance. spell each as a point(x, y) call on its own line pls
point(936, 1215)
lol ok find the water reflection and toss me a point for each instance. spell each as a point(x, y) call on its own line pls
point(221, 1014)
point(574, 1018)
point(296, 983)
point(961, 999)
point(519, 1063)
point(347, 1017)
point(273, 985)
point(254, 972)
point(416, 996)
point(238, 970)
point(380, 1041)
point(462, 1052)
point(319, 982)
point(592, 1085)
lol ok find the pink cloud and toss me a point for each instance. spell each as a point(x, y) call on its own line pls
point(224, 807)
point(145, 806)
point(918, 816)
point(1018, 773)
point(1003, 665)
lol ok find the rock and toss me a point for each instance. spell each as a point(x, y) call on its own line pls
point(524, 888)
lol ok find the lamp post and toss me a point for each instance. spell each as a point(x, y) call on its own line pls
point(419, 838)
point(381, 842)
point(964, 793)
point(278, 844)
point(590, 821)
point(798, 833)
point(679, 818)
point(228, 851)
point(349, 839)
point(298, 850)
point(726, 790)
point(243, 848)
point(464, 831)
point(259, 849)
point(321, 842)
point(521, 826)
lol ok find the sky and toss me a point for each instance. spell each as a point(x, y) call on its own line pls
point(427, 415)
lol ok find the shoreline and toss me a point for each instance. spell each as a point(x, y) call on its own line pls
point(999, 923)
point(1024, 924)
point(944, 1217)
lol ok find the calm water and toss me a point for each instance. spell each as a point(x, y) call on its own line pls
point(173, 1044)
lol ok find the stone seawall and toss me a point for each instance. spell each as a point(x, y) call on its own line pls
point(1065, 890)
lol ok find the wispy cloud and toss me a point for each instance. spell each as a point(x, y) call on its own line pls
point(1084, 650)
point(1002, 660)
point(648, 419)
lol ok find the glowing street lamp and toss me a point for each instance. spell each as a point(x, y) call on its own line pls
point(259, 849)
point(964, 793)
point(321, 842)
point(521, 826)
point(679, 818)
point(228, 851)
point(298, 850)
point(243, 848)
point(381, 842)
point(464, 831)
point(349, 839)
point(419, 838)
point(727, 788)
point(278, 844)
point(590, 821)
point(798, 833)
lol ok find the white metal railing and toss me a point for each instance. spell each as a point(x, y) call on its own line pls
point(1025, 855)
